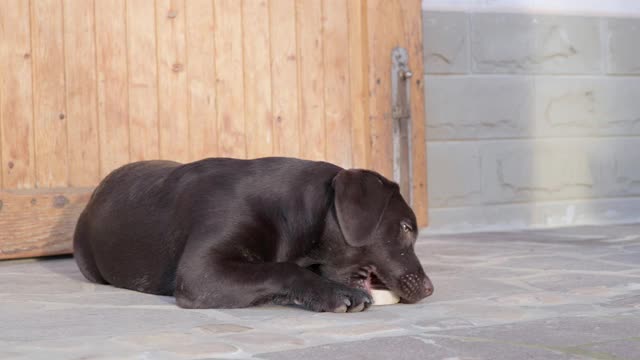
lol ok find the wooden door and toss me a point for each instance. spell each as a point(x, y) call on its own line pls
point(88, 85)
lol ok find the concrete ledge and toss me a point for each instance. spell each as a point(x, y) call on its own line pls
point(534, 215)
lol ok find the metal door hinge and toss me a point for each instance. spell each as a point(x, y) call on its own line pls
point(401, 114)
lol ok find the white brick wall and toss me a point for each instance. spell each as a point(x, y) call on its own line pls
point(504, 106)
point(620, 33)
point(525, 44)
point(532, 120)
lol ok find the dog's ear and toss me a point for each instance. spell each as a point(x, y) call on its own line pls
point(360, 200)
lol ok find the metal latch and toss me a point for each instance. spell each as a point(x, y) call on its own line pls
point(401, 114)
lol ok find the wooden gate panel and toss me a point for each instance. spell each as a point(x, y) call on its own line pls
point(257, 78)
point(112, 84)
point(358, 85)
point(81, 93)
point(87, 86)
point(172, 80)
point(17, 152)
point(50, 122)
point(310, 74)
point(335, 31)
point(383, 21)
point(412, 37)
point(143, 80)
point(284, 78)
point(392, 24)
point(229, 75)
point(201, 74)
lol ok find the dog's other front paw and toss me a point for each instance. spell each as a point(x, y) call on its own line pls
point(337, 298)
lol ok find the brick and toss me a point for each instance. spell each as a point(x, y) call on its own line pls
point(622, 52)
point(493, 107)
point(522, 43)
point(477, 107)
point(454, 174)
point(591, 106)
point(516, 171)
point(446, 44)
point(557, 169)
point(620, 167)
point(538, 214)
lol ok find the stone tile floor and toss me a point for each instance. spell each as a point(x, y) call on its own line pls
point(571, 293)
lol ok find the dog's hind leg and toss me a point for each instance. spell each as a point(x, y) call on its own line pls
point(83, 253)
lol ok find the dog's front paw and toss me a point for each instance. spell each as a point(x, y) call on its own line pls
point(338, 298)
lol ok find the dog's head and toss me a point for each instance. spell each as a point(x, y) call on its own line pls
point(378, 231)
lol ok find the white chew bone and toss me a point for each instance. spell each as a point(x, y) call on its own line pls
point(384, 297)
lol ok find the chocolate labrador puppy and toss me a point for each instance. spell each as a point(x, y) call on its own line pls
point(228, 233)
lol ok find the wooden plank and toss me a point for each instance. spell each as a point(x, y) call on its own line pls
point(284, 78)
point(143, 81)
point(384, 33)
point(336, 82)
point(412, 20)
point(1, 82)
point(50, 123)
point(201, 79)
point(358, 76)
point(16, 98)
point(172, 80)
point(81, 92)
point(112, 86)
point(39, 223)
point(257, 78)
point(311, 78)
point(229, 75)
point(2, 67)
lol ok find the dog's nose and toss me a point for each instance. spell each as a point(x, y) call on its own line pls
point(428, 287)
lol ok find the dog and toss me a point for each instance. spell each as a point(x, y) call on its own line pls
point(231, 233)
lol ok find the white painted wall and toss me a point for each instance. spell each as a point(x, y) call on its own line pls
point(532, 113)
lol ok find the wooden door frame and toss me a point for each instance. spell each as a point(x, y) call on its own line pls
point(390, 24)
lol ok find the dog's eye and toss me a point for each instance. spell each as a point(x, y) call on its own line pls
point(406, 227)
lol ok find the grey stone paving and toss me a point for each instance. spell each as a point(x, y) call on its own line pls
point(571, 293)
